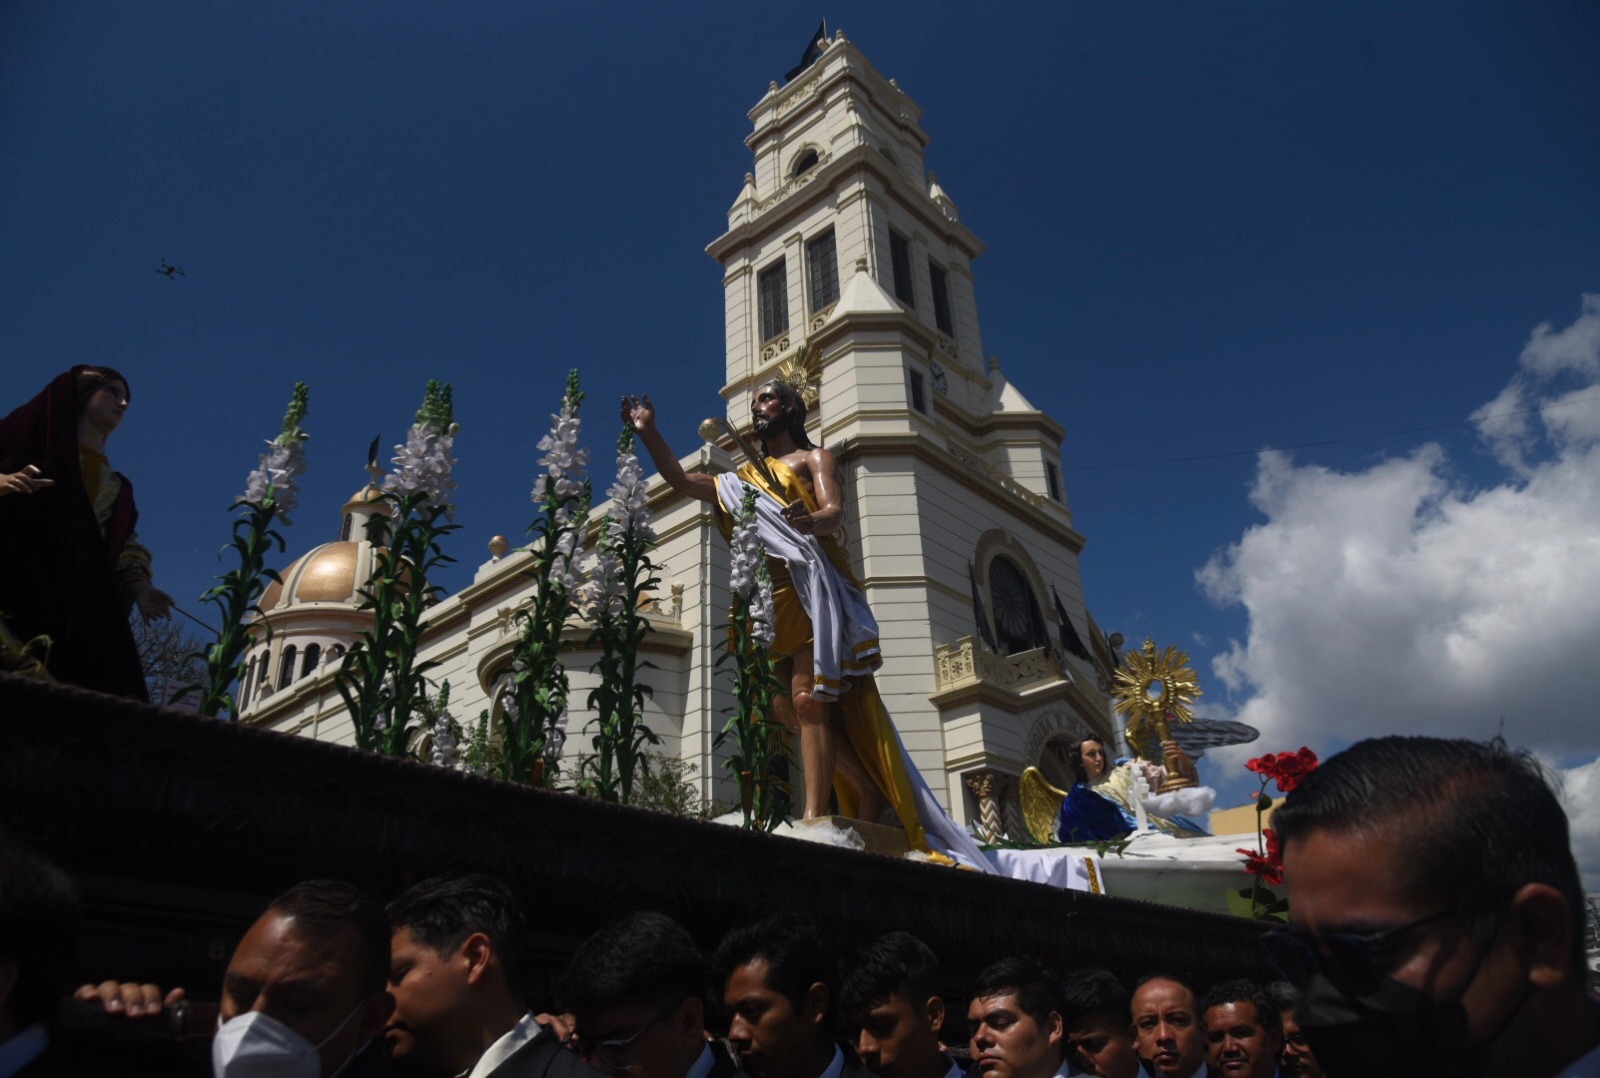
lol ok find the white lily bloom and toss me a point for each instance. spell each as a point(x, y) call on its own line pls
point(279, 471)
point(446, 749)
point(424, 465)
point(564, 462)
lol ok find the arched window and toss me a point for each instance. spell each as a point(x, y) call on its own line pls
point(308, 665)
point(248, 680)
point(344, 530)
point(286, 668)
point(263, 678)
point(335, 653)
point(806, 162)
point(1018, 625)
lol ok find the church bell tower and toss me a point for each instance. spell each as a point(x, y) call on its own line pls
point(845, 254)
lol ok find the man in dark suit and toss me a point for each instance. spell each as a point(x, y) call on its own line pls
point(1244, 1035)
point(304, 990)
point(1099, 1023)
point(1018, 1030)
point(458, 973)
point(1436, 914)
point(893, 1014)
point(780, 986)
point(634, 992)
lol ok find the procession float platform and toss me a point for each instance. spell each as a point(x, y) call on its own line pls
point(178, 829)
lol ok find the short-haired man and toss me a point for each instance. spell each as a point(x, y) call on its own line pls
point(1298, 1060)
point(1017, 1027)
point(780, 986)
point(304, 991)
point(38, 928)
point(1099, 1023)
point(634, 993)
point(458, 973)
point(1167, 1031)
point(1243, 1035)
point(893, 1012)
point(1436, 914)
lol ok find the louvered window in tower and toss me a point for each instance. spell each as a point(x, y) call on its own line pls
point(900, 265)
point(940, 281)
point(822, 262)
point(772, 289)
point(1018, 625)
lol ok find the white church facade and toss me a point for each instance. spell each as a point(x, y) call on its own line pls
point(842, 247)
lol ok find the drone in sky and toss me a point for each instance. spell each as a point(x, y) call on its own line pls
point(169, 271)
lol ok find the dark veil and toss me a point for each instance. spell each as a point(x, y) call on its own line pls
point(57, 574)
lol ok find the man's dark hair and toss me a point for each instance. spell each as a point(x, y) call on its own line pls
point(38, 932)
point(328, 907)
point(1036, 988)
point(897, 964)
point(1285, 996)
point(1242, 991)
point(1084, 991)
point(794, 407)
point(1162, 975)
point(794, 952)
point(440, 913)
point(1473, 822)
point(640, 958)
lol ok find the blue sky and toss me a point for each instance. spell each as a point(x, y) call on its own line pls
point(1211, 226)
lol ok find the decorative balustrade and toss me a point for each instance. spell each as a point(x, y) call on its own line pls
point(966, 663)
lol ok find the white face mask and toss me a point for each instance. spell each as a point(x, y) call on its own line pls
point(256, 1045)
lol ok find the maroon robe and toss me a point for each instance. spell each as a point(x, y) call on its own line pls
point(57, 573)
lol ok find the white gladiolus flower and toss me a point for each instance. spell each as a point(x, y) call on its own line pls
point(424, 465)
point(279, 471)
point(564, 462)
point(629, 502)
point(446, 749)
point(763, 616)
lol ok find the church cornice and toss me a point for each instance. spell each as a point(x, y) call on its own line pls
point(843, 64)
point(833, 179)
point(980, 482)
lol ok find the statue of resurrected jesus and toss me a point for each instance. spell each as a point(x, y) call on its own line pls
point(847, 742)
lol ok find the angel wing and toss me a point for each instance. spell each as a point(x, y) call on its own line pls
point(1041, 806)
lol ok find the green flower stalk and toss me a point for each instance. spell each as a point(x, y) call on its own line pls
point(383, 684)
point(532, 735)
point(622, 574)
point(269, 496)
point(757, 738)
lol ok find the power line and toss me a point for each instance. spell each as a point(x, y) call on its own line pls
point(1325, 441)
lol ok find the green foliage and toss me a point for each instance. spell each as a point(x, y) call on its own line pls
point(624, 574)
point(481, 755)
point(240, 590)
point(666, 785)
point(437, 410)
point(758, 739)
point(383, 685)
point(539, 687)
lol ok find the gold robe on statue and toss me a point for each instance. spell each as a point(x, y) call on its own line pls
point(866, 720)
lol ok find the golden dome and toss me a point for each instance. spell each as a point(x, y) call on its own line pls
point(367, 495)
point(330, 573)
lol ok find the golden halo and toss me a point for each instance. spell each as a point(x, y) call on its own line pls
point(1149, 689)
point(802, 372)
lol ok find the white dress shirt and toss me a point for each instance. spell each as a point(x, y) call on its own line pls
point(503, 1049)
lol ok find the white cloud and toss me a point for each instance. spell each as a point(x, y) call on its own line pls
point(1397, 600)
point(1581, 796)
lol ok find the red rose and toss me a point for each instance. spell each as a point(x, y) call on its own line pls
point(1269, 866)
point(1288, 769)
